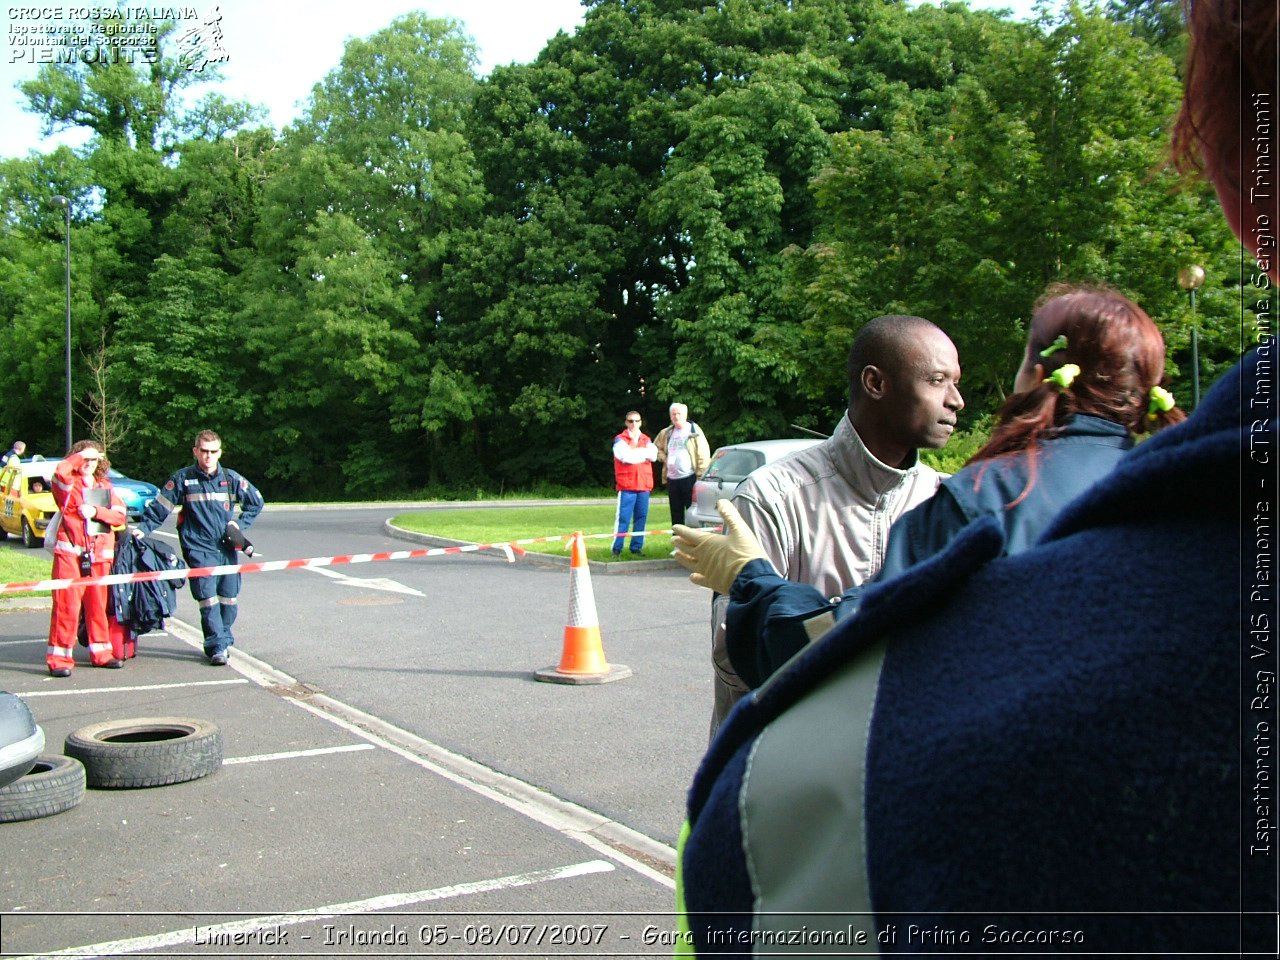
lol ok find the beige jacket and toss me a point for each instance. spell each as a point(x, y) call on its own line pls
point(699, 451)
point(822, 516)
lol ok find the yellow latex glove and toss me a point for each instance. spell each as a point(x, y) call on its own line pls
point(716, 559)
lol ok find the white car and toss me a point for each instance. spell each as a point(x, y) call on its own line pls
point(729, 467)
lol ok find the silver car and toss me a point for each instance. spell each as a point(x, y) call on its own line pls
point(21, 740)
point(729, 467)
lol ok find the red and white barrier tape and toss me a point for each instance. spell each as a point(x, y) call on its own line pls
point(512, 548)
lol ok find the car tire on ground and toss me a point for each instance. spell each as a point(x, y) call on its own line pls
point(146, 751)
point(54, 784)
point(29, 538)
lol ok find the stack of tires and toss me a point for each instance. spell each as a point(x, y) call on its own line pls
point(114, 754)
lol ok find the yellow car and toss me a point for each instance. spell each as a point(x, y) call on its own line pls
point(27, 489)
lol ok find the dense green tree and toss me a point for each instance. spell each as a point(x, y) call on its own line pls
point(736, 189)
point(1158, 22)
point(684, 137)
point(127, 186)
point(33, 293)
point(130, 93)
point(341, 301)
point(435, 281)
point(1045, 167)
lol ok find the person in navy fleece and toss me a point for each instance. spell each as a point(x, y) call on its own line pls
point(1070, 750)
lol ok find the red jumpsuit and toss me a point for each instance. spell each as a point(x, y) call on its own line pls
point(68, 491)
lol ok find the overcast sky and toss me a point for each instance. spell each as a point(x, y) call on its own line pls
point(277, 50)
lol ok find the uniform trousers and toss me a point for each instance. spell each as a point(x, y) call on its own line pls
point(64, 620)
point(216, 596)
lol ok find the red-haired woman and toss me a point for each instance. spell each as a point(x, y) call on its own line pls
point(1089, 381)
point(83, 469)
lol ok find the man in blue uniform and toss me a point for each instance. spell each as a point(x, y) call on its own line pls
point(210, 533)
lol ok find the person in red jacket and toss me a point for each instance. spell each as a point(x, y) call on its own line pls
point(85, 546)
point(633, 457)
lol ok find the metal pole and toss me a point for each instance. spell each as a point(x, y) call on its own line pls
point(67, 331)
point(1190, 278)
point(66, 236)
point(1195, 353)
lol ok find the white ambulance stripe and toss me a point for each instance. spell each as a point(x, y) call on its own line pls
point(208, 497)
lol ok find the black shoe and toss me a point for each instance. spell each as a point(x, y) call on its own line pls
point(59, 671)
point(112, 664)
point(219, 659)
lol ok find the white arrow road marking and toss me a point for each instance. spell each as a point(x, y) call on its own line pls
point(372, 583)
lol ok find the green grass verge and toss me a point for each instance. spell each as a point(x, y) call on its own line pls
point(20, 565)
point(504, 524)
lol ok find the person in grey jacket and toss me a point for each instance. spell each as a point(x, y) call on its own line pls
point(822, 515)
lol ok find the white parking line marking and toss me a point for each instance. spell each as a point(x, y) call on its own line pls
point(595, 831)
point(577, 823)
point(298, 753)
point(215, 932)
point(152, 686)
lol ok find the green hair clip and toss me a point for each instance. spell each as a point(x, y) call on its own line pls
point(1064, 376)
point(1059, 344)
point(1161, 402)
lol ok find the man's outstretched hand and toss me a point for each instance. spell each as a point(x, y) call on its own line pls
point(716, 559)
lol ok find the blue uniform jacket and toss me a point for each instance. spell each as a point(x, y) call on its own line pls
point(1080, 737)
point(766, 615)
point(208, 503)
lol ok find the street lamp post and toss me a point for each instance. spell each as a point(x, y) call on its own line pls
point(66, 208)
point(1190, 278)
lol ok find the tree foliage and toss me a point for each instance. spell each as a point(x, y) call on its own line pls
point(437, 281)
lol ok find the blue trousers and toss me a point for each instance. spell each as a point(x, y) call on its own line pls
point(217, 599)
point(633, 511)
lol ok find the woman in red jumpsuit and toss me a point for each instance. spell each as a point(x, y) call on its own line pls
point(83, 469)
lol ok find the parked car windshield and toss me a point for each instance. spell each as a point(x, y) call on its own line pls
point(733, 465)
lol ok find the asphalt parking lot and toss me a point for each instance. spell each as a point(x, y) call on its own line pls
point(324, 832)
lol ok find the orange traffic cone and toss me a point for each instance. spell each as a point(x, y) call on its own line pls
point(583, 658)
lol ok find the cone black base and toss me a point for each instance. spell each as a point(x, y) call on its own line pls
point(617, 671)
